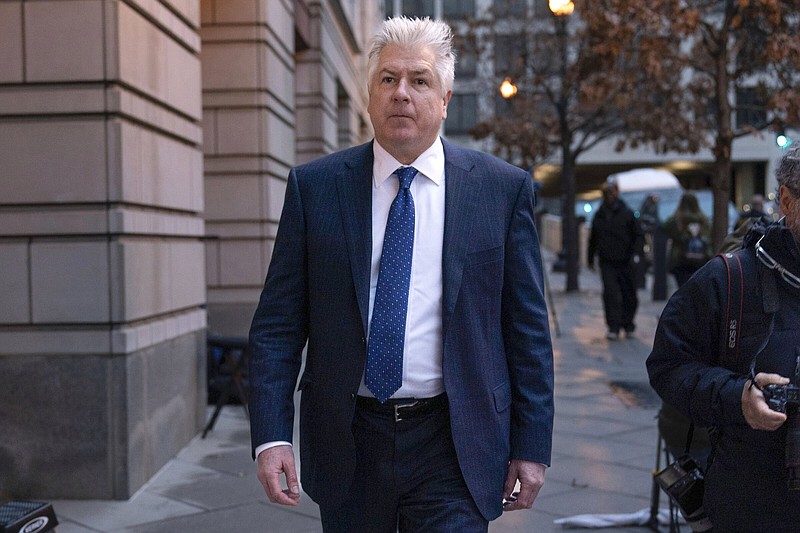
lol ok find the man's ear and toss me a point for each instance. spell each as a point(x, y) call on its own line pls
point(786, 199)
point(446, 102)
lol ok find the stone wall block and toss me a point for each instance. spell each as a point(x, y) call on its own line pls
point(235, 11)
point(240, 263)
point(11, 42)
point(73, 171)
point(239, 131)
point(229, 65)
point(49, 402)
point(158, 170)
point(15, 303)
point(187, 273)
point(164, 69)
point(64, 40)
point(70, 282)
point(233, 198)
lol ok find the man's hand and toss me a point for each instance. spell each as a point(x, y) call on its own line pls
point(531, 479)
point(755, 409)
point(273, 462)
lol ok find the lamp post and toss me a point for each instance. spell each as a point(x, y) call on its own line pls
point(561, 9)
point(508, 89)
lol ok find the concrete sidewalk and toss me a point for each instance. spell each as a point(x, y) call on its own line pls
point(604, 446)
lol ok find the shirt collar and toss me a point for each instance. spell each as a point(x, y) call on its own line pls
point(430, 163)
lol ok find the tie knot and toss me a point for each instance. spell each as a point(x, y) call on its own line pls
point(405, 175)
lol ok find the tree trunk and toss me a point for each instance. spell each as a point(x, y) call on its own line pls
point(569, 224)
point(721, 185)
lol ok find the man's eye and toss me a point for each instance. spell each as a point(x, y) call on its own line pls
point(388, 79)
point(421, 82)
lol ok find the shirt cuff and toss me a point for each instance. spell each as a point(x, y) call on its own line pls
point(269, 445)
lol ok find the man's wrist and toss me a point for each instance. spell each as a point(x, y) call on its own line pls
point(268, 445)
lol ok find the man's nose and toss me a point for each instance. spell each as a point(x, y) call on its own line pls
point(401, 92)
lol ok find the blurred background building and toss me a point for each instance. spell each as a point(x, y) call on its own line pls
point(476, 97)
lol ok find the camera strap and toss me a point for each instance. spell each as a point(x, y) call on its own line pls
point(732, 326)
point(689, 437)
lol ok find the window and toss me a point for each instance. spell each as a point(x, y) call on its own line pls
point(509, 55)
point(541, 8)
point(510, 8)
point(467, 59)
point(750, 108)
point(458, 9)
point(418, 8)
point(462, 114)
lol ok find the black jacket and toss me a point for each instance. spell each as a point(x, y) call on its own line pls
point(691, 369)
point(616, 235)
point(685, 366)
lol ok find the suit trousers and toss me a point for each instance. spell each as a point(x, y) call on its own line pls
point(407, 479)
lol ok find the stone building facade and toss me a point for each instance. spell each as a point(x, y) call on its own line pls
point(144, 147)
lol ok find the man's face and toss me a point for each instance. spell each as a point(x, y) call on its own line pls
point(610, 194)
point(406, 105)
point(790, 208)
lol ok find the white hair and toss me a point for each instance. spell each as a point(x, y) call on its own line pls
point(410, 32)
point(788, 172)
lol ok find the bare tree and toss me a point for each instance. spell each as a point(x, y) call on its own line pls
point(570, 89)
point(678, 75)
point(711, 71)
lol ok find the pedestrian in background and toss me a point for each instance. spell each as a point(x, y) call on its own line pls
point(756, 211)
point(410, 268)
point(713, 365)
point(690, 232)
point(616, 239)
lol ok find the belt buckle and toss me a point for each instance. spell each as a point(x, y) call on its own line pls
point(397, 407)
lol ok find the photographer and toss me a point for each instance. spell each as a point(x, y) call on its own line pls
point(747, 485)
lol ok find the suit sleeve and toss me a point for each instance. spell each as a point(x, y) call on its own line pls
point(279, 329)
point(526, 334)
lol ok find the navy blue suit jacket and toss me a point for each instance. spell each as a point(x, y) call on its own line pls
point(497, 355)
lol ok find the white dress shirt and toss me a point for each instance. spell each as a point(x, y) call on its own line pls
point(422, 351)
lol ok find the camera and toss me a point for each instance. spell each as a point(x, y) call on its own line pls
point(786, 399)
point(683, 481)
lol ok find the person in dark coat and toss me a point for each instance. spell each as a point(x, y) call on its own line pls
point(616, 238)
point(756, 211)
point(747, 483)
point(688, 225)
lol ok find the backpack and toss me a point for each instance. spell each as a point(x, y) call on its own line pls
point(695, 247)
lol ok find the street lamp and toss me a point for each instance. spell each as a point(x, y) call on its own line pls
point(568, 262)
point(508, 89)
point(561, 7)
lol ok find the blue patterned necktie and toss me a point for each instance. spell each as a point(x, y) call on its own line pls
point(388, 327)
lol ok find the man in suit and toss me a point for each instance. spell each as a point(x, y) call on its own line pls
point(427, 387)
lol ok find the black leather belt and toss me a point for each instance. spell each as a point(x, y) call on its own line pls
point(403, 408)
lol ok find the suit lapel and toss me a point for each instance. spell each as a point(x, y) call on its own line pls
point(354, 185)
point(461, 201)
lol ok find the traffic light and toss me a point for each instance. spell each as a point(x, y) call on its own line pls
point(782, 140)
